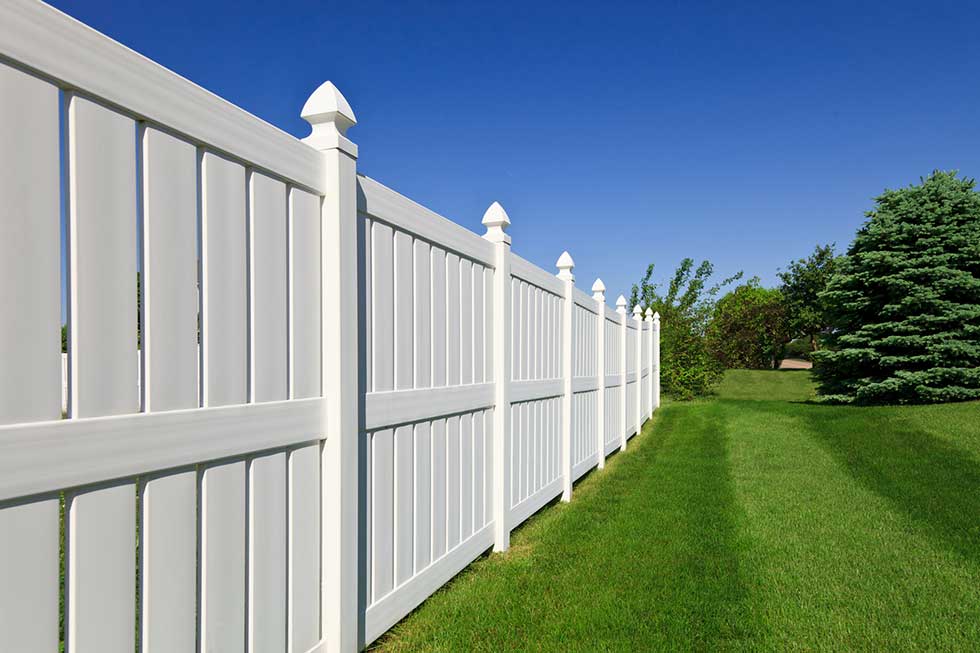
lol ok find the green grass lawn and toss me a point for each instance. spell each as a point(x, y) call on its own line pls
point(753, 520)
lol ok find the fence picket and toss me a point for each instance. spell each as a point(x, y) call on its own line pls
point(169, 348)
point(305, 293)
point(224, 291)
point(267, 553)
point(303, 623)
point(102, 279)
point(169, 563)
point(268, 283)
point(101, 582)
point(222, 613)
point(29, 263)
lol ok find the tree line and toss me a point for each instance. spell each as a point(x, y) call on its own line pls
point(893, 319)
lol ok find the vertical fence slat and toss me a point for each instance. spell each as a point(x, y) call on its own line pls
point(454, 491)
point(169, 563)
point(423, 493)
point(488, 321)
point(479, 464)
point(303, 629)
point(224, 292)
point(466, 321)
point(423, 315)
point(304, 322)
point(404, 322)
point(29, 568)
point(383, 512)
point(102, 202)
point(267, 553)
point(31, 362)
point(223, 558)
point(170, 305)
point(268, 284)
point(466, 475)
point(440, 317)
point(479, 327)
point(102, 570)
point(453, 322)
point(366, 269)
point(29, 253)
point(382, 307)
point(439, 488)
point(404, 501)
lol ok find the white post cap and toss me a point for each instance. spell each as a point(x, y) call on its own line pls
point(565, 266)
point(330, 115)
point(638, 312)
point(599, 290)
point(496, 221)
point(621, 305)
point(649, 313)
point(656, 318)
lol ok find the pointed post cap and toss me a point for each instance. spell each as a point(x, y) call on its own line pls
point(599, 290)
point(330, 115)
point(656, 318)
point(496, 221)
point(649, 313)
point(621, 305)
point(565, 266)
point(638, 312)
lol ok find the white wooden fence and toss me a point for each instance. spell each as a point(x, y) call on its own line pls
point(340, 398)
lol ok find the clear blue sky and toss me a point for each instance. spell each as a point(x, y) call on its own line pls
point(623, 133)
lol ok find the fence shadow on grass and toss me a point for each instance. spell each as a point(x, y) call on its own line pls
point(933, 482)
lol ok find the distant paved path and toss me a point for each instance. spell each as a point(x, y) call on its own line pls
point(795, 364)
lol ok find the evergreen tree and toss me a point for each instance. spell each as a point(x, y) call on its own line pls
point(905, 302)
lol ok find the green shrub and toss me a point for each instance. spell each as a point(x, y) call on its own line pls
point(749, 328)
point(687, 368)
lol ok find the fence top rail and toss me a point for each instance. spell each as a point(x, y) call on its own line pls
point(380, 202)
point(77, 58)
point(527, 271)
point(585, 300)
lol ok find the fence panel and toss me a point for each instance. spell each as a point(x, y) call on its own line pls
point(535, 473)
point(266, 355)
point(614, 383)
point(585, 401)
point(174, 207)
point(429, 458)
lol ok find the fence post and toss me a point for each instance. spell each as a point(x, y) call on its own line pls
point(496, 221)
point(621, 309)
point(638, 318)
point(599, 295)
point(650, 370)
point(330, 115)
point(656, 361)
point(565, 266)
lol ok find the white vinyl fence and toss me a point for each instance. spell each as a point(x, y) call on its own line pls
point(336, 400)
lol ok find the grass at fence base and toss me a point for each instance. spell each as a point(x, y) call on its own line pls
point(750, 521)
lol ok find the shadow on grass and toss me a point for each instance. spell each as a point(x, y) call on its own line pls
point(704, 588)
point(933, 482)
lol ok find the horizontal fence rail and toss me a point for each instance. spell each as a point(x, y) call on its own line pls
point(293, 403)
